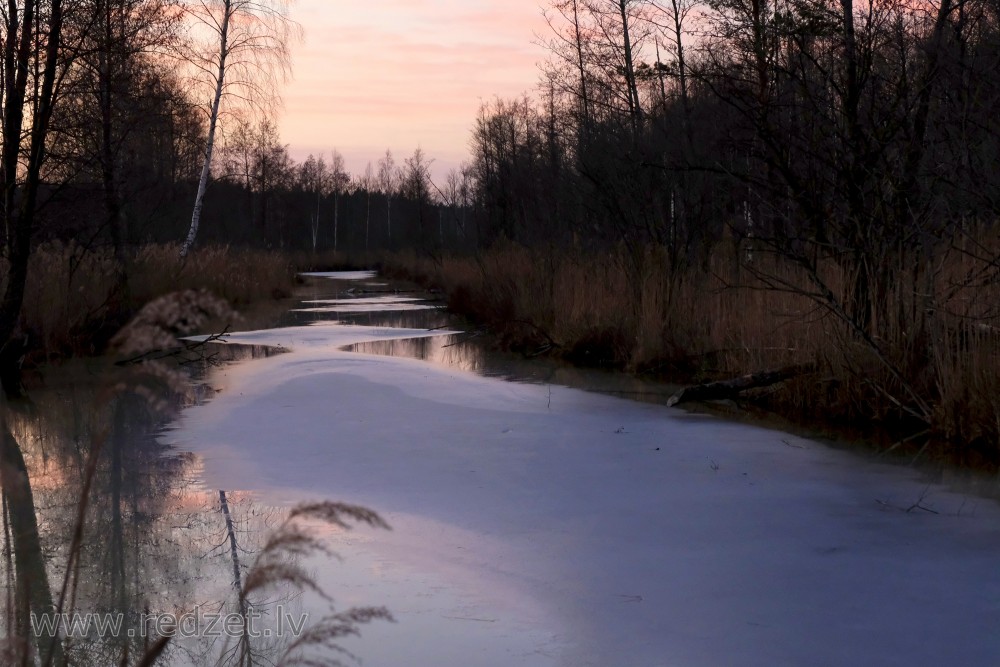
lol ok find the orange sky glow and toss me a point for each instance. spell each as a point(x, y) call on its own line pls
point(402, 73)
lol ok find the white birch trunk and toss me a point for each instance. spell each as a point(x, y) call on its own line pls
point(212, 123)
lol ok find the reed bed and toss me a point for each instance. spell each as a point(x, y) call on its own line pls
point(76, 298)
point(935, 340)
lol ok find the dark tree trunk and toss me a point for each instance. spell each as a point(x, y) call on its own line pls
point(19, 200)
point(32, 593)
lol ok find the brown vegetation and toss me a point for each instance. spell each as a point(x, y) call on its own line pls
point(728, 318)
point(74, 299)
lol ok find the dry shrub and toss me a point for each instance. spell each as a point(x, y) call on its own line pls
point(636, 313)
point(160, 323)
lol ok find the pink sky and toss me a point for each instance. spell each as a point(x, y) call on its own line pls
point(402, 73)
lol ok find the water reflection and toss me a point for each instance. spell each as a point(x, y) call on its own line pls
point(379, 305)
point(415, 319)
point(368, 301)
point(363, 307)
point(72, 441)
point(100, 518)
point(466, 352)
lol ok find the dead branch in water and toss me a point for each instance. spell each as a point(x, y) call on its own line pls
point(178, 351)
point(730, 388)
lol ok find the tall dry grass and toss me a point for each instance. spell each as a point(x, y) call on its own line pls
point(75, 300)
point(702, 321)
point(935, 340)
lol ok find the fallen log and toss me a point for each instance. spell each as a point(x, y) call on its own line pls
point(713, 391)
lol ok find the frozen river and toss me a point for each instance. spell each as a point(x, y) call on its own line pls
point(536, 524)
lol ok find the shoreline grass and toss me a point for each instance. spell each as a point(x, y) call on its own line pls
point(76, 299)
point(719, 320)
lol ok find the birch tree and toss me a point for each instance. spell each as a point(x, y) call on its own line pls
point(240, 49)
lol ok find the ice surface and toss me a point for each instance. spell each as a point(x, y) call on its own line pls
point(341, 275)
point(581, 529)
point(366, 304)
point(363, 307)
point(385, 300)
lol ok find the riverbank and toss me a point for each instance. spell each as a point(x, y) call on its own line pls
point(721, 321)
point(76, 299)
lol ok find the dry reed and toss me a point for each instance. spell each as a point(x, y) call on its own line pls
point(936, 337)
point(75, 300)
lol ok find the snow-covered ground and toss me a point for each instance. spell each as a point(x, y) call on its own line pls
point(540, 525)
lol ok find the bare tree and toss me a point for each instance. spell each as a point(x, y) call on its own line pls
point(240, 48)
point(340, 181)
point(238, 159)
point(315, 180)
point(388, 182)
point(32, 60)
point(272, 173)
point(415, 184)
point(457, 195)
point(368, 182)
point(570, 44)
point(616, 35)
point(254, 157)
point(114, 63)
point(672, 18)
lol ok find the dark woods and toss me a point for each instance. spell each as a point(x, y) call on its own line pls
point(705, 191)
point(858, 133)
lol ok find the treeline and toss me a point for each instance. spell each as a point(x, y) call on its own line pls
point(842, 129)
point(119, 140)
point(260, 197)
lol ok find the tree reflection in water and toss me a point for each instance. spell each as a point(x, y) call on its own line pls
point(100, 518)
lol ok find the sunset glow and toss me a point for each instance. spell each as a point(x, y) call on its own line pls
point(402, 73)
